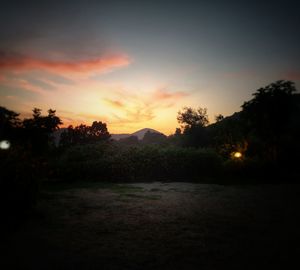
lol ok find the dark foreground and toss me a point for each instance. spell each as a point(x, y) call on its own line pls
point(159, 226)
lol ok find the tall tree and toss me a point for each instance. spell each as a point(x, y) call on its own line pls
point(98, 132)
point(39, 129)
point(9, 122)
point(193, 122)
point(268, 114)
point(85, 134)
point(190, 117)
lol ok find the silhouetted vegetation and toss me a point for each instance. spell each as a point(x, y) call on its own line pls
point(19, 181)
point(24, 163)
point(154, 138)
point(259, 142)
point(141, 162)
point(193, 123)
point(38, 130)
point(9, 124)
point(131, 140)
point(83, 134)
point(271, 120)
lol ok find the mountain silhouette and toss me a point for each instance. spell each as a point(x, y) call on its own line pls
point(140, 134)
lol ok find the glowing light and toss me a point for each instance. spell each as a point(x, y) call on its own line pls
point(4, 145)
point(237, 154)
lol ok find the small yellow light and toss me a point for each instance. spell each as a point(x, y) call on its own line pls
point(237, 155)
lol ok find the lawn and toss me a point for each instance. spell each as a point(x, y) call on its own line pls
point(158, 226)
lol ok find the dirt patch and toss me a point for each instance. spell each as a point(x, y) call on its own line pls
point(159, 226)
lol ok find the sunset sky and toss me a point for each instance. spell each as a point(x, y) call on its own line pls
point(135, 64)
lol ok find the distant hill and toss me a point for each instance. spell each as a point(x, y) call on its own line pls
point(140, 134)
point(120, 136)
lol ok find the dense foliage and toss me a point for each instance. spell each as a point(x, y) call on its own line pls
point(271, 120)
point(259, 142)
point(144, 162)
point(83, 134)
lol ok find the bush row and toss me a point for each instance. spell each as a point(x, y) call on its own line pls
point(110, 163)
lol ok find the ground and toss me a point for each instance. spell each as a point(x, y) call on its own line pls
point(158, 226)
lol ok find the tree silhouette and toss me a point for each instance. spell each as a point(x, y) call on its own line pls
point(38, 129)
point(190, 117)
point(9, 122)
point(177, 132)
point(98, 131)
point(131, 140)
point(154, 138)
point(268, 114)
point(219, 117)
point(227, 135)
point(83, 134)
point(193, 122)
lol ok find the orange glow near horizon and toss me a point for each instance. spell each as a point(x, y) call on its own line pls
point(80, 93)
point(124, 110)
point(136, 66)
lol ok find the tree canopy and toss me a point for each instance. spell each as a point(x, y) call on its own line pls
point(268, 112)
point(9, 121)
point(190, 117)
point(38, 129)
point(193, 122)
point(268, 117)
point(85, 134)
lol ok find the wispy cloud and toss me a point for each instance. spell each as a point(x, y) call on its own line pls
point(40, 76)
point(134, 107)
point(136, 115)
point(134, 112)
point(23, 85)
point(163, 94)
point(101, 64)
point(114, 103)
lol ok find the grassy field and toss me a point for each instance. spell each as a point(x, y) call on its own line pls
point(158, 226)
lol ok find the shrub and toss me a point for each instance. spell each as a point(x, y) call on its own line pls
point(19, 183)
point(108, 162)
